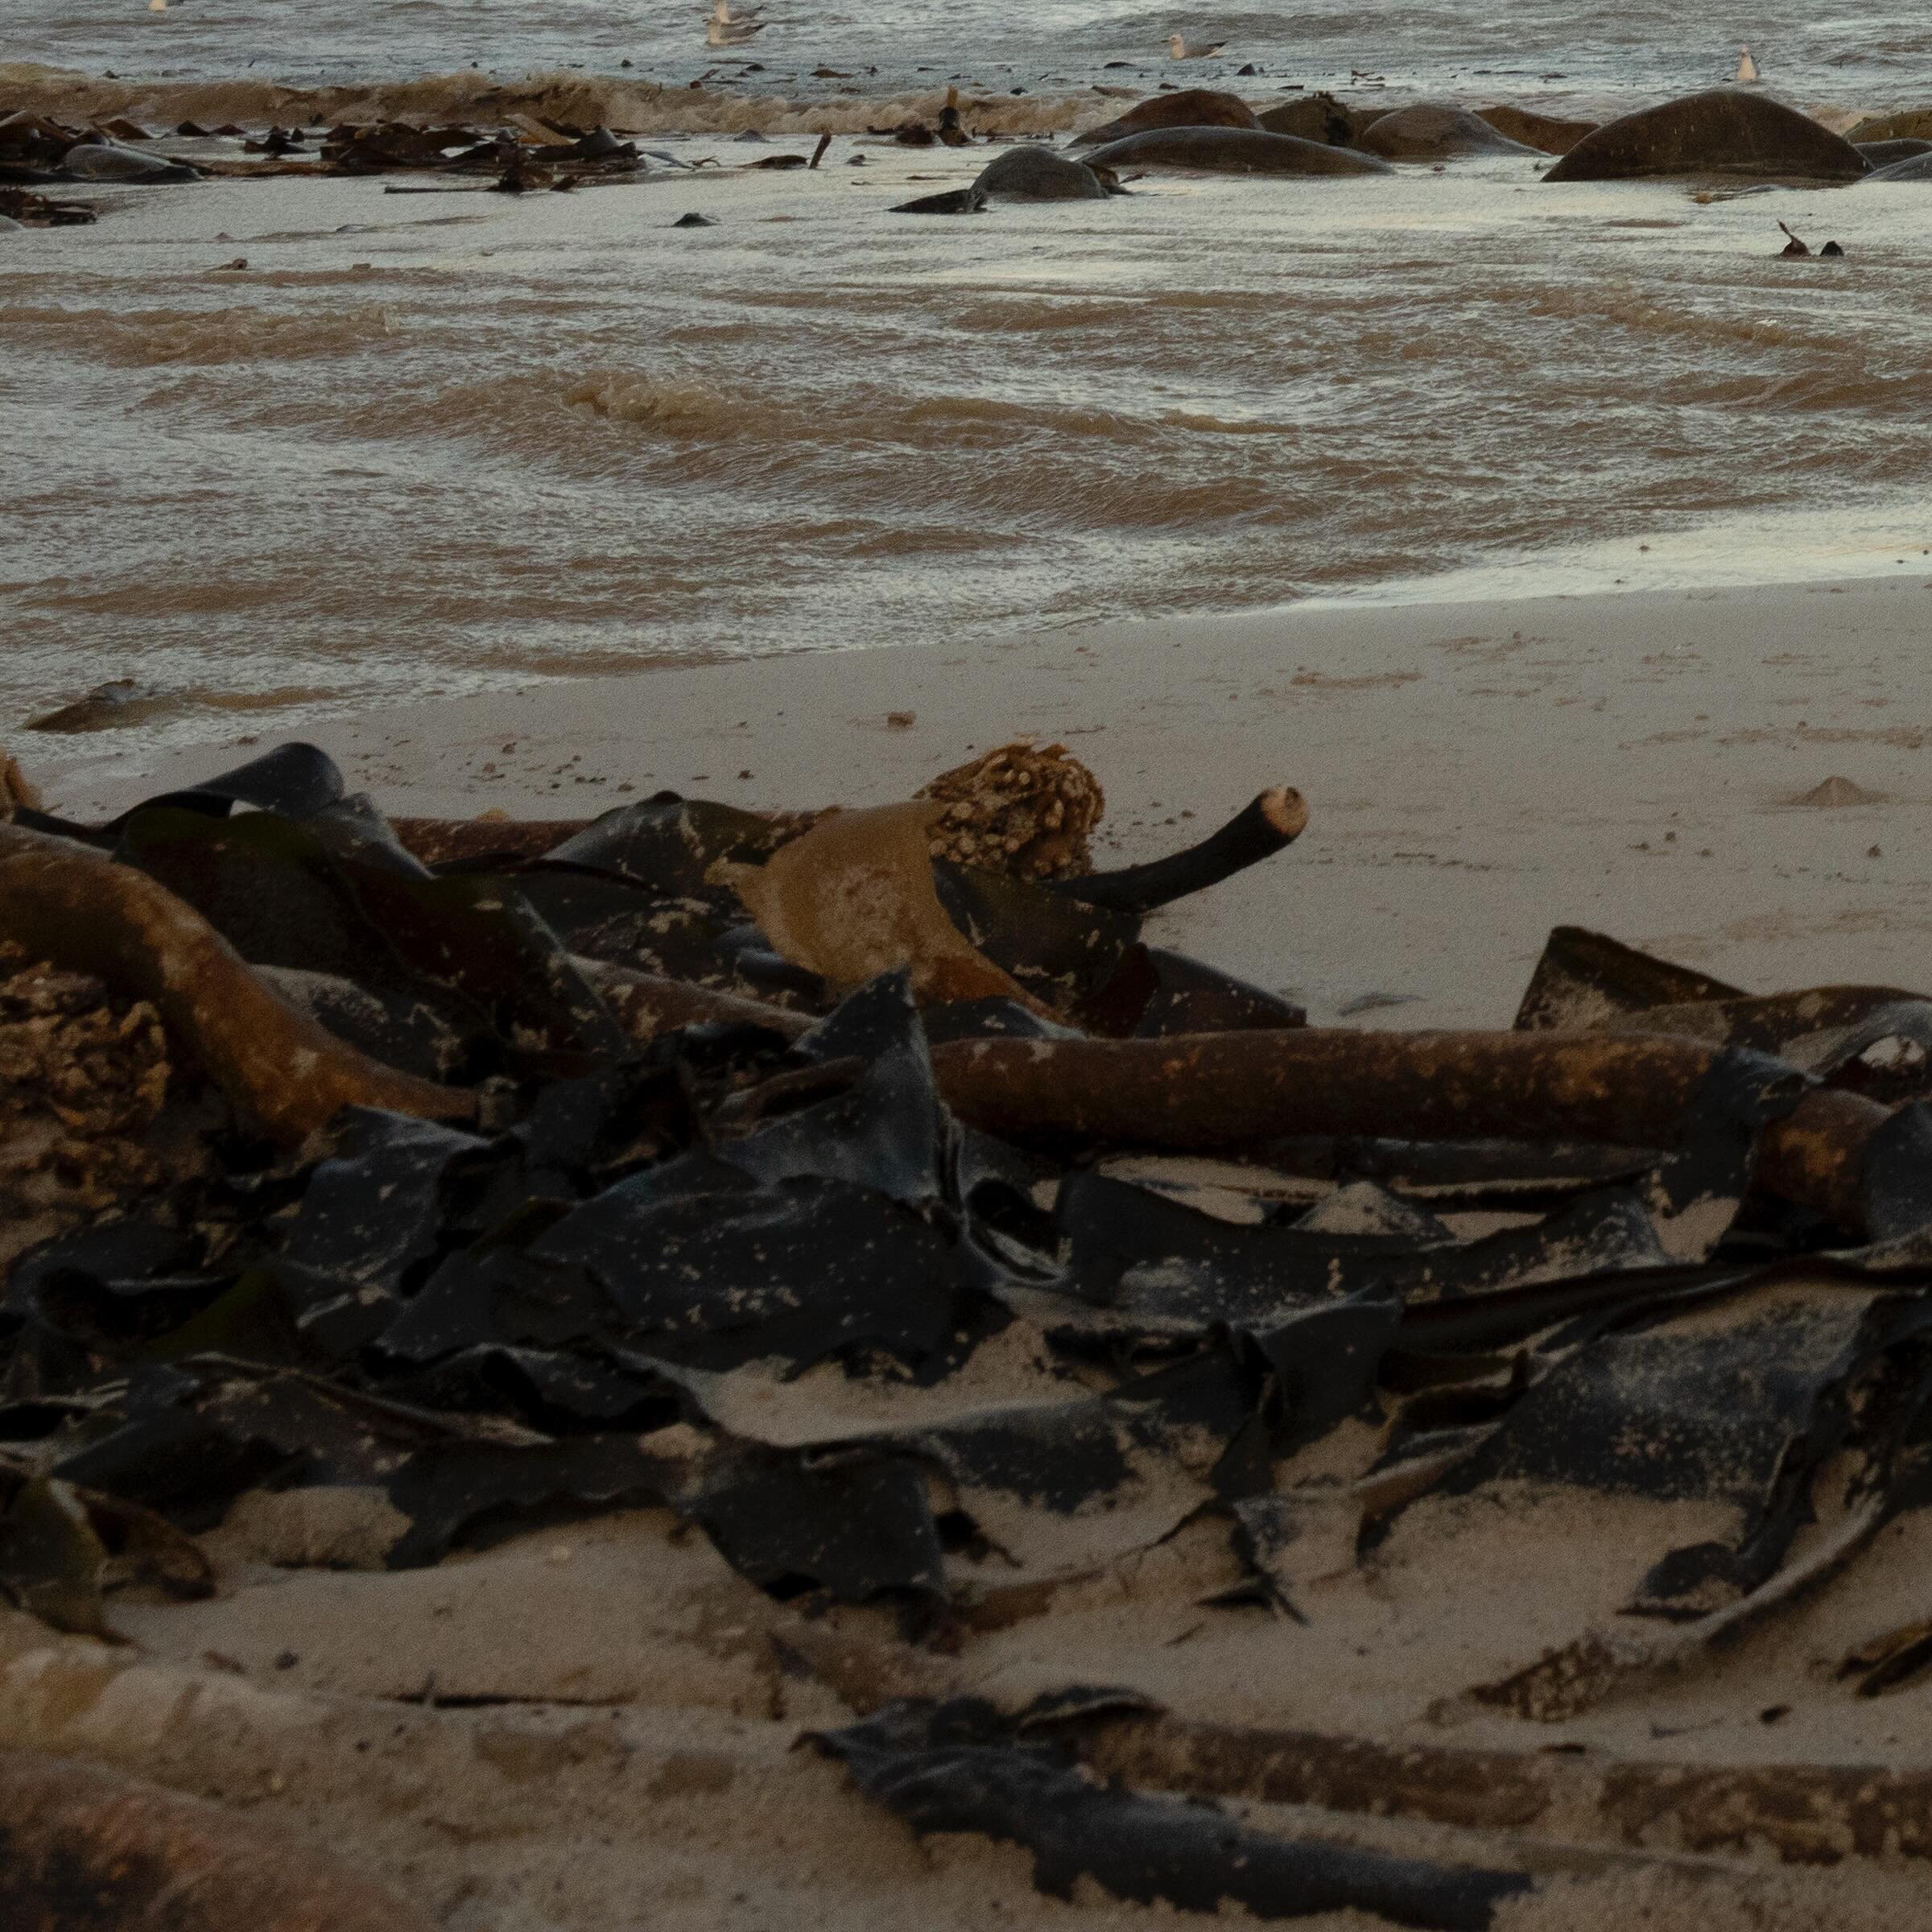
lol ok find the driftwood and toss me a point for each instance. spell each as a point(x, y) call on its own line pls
point(1210, 1090)
point(83, 1849)
point(65, 902)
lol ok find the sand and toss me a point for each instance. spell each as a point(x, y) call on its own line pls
point(1477, 773)
point(594, 1725)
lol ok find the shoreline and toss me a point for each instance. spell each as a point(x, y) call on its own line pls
point(1478, 772)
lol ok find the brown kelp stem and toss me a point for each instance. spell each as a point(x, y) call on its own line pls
point(1261, 828)
point(75, 907)
point(1207, 1090)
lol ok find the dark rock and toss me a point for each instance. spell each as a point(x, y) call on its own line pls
point(1547, 132)
point(955, 201)
point(1235, 151)
point(1191, 107)
point(1723, 132)
point(1037, 174)
point(694, 222)
point(1435, 130)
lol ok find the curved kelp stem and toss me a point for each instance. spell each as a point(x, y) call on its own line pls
point(1261, 828)
point(83, 1846)
point(1206, 1090)
point(68, 904)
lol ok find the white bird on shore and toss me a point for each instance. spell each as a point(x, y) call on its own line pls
point(1747, 67)
point(1178, 49)
point(731, 33)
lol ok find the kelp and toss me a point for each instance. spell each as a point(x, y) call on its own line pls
point(86, 1850)
point(761, 1169)
point(957, 1767)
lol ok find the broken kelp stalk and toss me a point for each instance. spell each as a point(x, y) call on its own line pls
point(64, 902)
point(1268, 824)
point(953, 1769)
point(1210, 1090)
point(81, 1846)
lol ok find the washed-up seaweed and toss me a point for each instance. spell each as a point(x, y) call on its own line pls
point(957, 1767)
point(610, 1162)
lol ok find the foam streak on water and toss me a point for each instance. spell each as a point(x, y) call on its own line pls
point(427, 444)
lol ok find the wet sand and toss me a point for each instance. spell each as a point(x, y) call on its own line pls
point(1478, 772)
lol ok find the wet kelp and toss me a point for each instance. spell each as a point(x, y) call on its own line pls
point(763, 1169)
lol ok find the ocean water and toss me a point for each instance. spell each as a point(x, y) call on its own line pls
point(431, 443)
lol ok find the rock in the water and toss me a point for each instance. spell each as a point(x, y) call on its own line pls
point(1037, 174)
point(1914, 168)
point(1907, 124)
point(1191, 107)
point(1436, 131)
point(1548, 132)
point(694, 222)
point(1319, 117)
point(955, 201)
point(1235, 151)
point(102, 161)
point(1889, 154)
point(8, 222)
point(1723, 132)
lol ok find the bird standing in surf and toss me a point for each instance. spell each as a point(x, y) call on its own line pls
point(1747, 67)
point(722, 31)
point(1178, 49)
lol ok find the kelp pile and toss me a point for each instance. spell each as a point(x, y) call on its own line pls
point(769, 1170)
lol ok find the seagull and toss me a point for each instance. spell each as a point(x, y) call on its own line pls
point(721, 12)
point(730, 33)
point(1747, 67)
point(1178, 49)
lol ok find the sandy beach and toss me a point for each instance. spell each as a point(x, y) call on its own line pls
point(741, 1369)
point(1477, 773)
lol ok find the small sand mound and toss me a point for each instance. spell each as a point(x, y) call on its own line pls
point(1839, 791)
point(1019, 809)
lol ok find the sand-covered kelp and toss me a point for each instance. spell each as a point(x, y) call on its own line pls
point(921, 1240)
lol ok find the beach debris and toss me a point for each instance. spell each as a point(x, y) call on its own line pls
point(17, 791)
point(1178, 48)
point(768, 1169)
point(854, 898)
point(961, 1767)
point(951, 132)
point(1021, 808)
point(1830, 249)
point(782, 161)
point(77, 1834)
point(83, 1079)
point(1792, 246)
point(953, 201)
point(694, 220)
point(818, 153)
point(1722, 132)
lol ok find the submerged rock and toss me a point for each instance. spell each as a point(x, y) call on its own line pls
point(1723, 132)
point(1435, 130)
point(1192, 107)
point(1548, 133)
point(1234, 151)
point(1037, 174)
